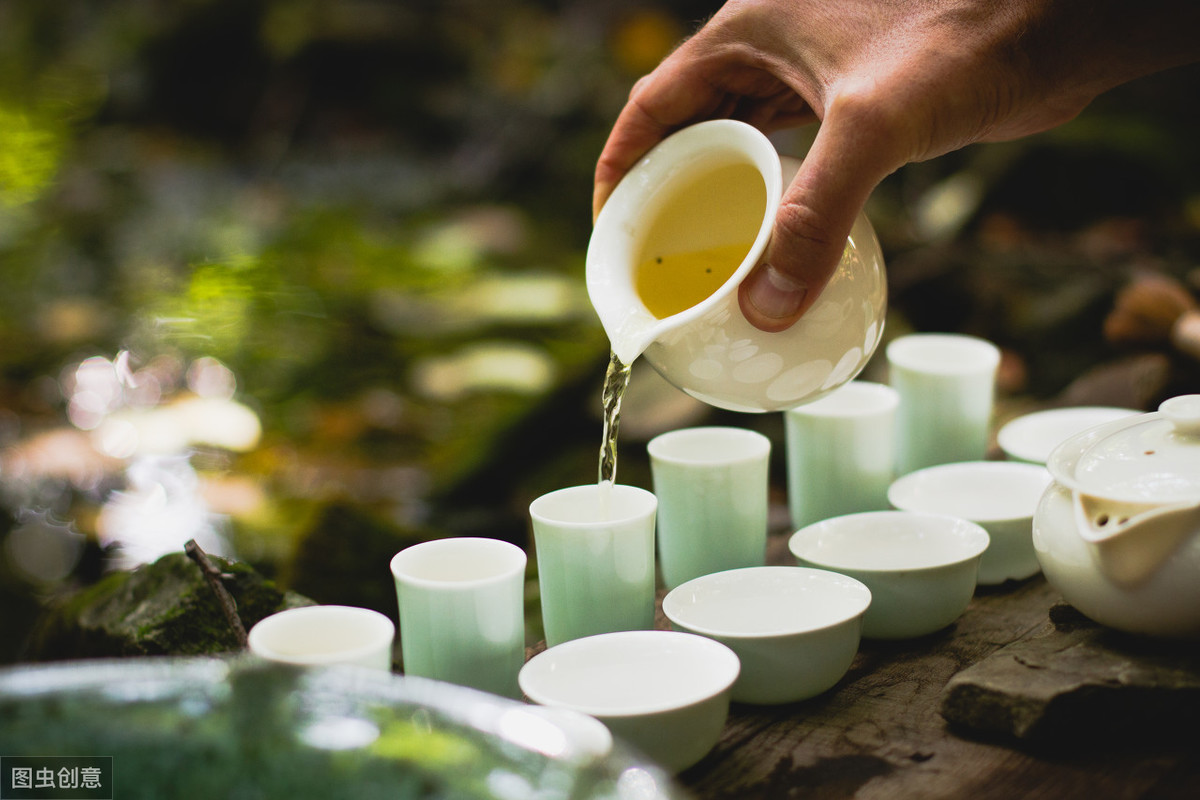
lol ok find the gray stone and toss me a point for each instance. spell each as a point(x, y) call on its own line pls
point(1076, 683)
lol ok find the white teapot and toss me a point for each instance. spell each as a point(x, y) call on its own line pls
point(714, 188)
point(1118, 532)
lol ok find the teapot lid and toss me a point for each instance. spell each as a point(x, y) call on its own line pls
point(1148, 458)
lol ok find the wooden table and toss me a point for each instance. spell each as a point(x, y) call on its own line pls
point(880, 733)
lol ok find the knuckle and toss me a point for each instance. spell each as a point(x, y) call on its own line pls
point(864, 107)
point(639, 86)
point(879, 122)
point(797, 219)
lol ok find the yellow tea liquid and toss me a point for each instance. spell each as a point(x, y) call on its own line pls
point(668, 284)
point(699, 237)
point(616, 381)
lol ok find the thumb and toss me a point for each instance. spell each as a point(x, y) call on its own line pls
point(812, 224)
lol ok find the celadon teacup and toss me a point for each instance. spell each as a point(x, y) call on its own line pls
point(711, 485)
point(946, 383)
point(595, 559)
point(462, 611)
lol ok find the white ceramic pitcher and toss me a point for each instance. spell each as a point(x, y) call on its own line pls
point(710, 185)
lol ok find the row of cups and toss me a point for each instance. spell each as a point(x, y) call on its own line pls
point(762, 634)
point(846, 448)
point(875, 556)
point(759, 634)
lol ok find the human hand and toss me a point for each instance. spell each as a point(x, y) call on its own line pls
point(890, 82)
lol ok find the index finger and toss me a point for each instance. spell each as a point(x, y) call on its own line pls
point(667, 99)
point(633, 135)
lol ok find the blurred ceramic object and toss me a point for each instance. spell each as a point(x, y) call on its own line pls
point(663, 692)
point(688, 195)
point(1117, 532)
point(921, 568)
point(795, 630)
point(1032, 437)
point(999, 495)
point(243, 727)
point(325, 634)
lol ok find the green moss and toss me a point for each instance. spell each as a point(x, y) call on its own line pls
point(164, 608)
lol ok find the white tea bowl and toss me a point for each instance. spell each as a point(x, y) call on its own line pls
point(999, 495)
point(664, 693)
point(1032, 437)
point(323, 635)
point(921, 568)
point(796, 630)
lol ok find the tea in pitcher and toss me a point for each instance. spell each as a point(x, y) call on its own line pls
point(711, 188)
point(697, 241)
point(668, 284)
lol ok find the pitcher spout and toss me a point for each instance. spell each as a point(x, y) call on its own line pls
point(631, 335)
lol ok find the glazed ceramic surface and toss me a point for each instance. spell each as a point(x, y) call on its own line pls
point(796, 630)
point(462, 611)
point(663, 692)
point(1119, 531)
point(207, 727)
point(710, 350)
point(921, 568)
point(946, 383)
point(841, 452)
point(325, 634)
point(595, 555)
point(1001, 496)
point(711, 485)
point(1031, 437)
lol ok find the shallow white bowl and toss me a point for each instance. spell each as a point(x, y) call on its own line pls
point(999, 495)
point(796, 630)
point(1033, 436)
point(663, 692)
point(921, 568)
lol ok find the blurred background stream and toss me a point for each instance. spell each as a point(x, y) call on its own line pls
point(303, 279)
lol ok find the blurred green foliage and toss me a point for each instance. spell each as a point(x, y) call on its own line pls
point(372, 213)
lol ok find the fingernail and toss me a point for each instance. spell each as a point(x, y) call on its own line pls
point(775, 294)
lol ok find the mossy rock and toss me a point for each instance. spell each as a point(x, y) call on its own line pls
point(164, 608)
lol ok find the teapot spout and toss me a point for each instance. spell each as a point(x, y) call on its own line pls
point(1130, 541)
